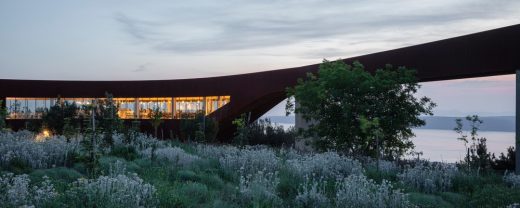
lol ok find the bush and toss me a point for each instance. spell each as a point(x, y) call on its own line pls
point(250, 160)
point(429, 177)
point(21, 149)
point(328, 164)
point(358, 191)
point(312, 194)
point(512, 180)
point(111, 191)
point(174, 155)
point(259, 189)
point(15, 191)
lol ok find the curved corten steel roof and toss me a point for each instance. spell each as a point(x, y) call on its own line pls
point(493, 52)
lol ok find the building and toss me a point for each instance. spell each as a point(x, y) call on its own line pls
point(494, 52)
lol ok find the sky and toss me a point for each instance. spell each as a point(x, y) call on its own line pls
point(151, 40)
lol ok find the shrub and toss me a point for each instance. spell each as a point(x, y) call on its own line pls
point(215, 152)
point(512, 179)
point(15, 191)
point(50, 152)
point(312, 194)
point(429, 177)
point(250, 160)
point(260, 188)
point(358, 191)
point(175, 155)
point(112, 191)
point(328, 164)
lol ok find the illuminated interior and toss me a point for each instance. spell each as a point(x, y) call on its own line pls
point(128, 108)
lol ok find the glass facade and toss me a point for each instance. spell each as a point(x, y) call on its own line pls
point(129, 108)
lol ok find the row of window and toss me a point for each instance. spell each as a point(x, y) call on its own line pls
point(128, 108)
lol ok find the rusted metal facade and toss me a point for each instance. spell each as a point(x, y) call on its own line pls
point(494, 52)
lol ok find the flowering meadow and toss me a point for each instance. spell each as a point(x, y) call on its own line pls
point(146, 172)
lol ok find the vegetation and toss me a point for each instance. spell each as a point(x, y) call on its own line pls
point(3, 115)
point(200, 128)
point(262, 132)
point(202, 175)
point(335, 100)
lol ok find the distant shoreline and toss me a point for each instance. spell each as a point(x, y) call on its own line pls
point(491, 123)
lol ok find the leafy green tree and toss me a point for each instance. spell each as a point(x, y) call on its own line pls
point(242, 133)
point(340, 94)
point(373, 132)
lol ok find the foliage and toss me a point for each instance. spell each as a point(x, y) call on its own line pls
point(340, 94)
point(260, 188)
point(358, 191)
point(174, 155)
point(15, 191)
point(512, 180)
point(3, 115)
point(22, 147)
point(54, 118)
point(203, 175)
point(156, 119)
point(201, 128)
point(504, 162)
point(250, 160)
point(242, 133)
point(263, 132)
point(477, 155)
point(112, 191)
point(494, 196)
point(429, 177)
point(107, 118)
point(427, 200)
point(327, 164)
point(312, 194)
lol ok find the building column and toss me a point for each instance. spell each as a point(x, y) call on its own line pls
point(517, 131)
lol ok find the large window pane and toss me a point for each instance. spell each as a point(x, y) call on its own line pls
point(147, 105)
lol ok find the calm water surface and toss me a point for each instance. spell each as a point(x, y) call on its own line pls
point(443, 145)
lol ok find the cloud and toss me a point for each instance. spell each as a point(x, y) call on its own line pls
point(142, 67)
point(205, 27)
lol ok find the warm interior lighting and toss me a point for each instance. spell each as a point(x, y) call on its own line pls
point(42, 136)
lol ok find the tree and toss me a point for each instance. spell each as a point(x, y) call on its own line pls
point(108, 119)
point(156, 119)
point(338, 96)
point(55, 117)
point(242, 133)
point(199, 128)
point(3, 116)
point(477, 155)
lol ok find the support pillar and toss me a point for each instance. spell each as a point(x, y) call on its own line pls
point(517, 124)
